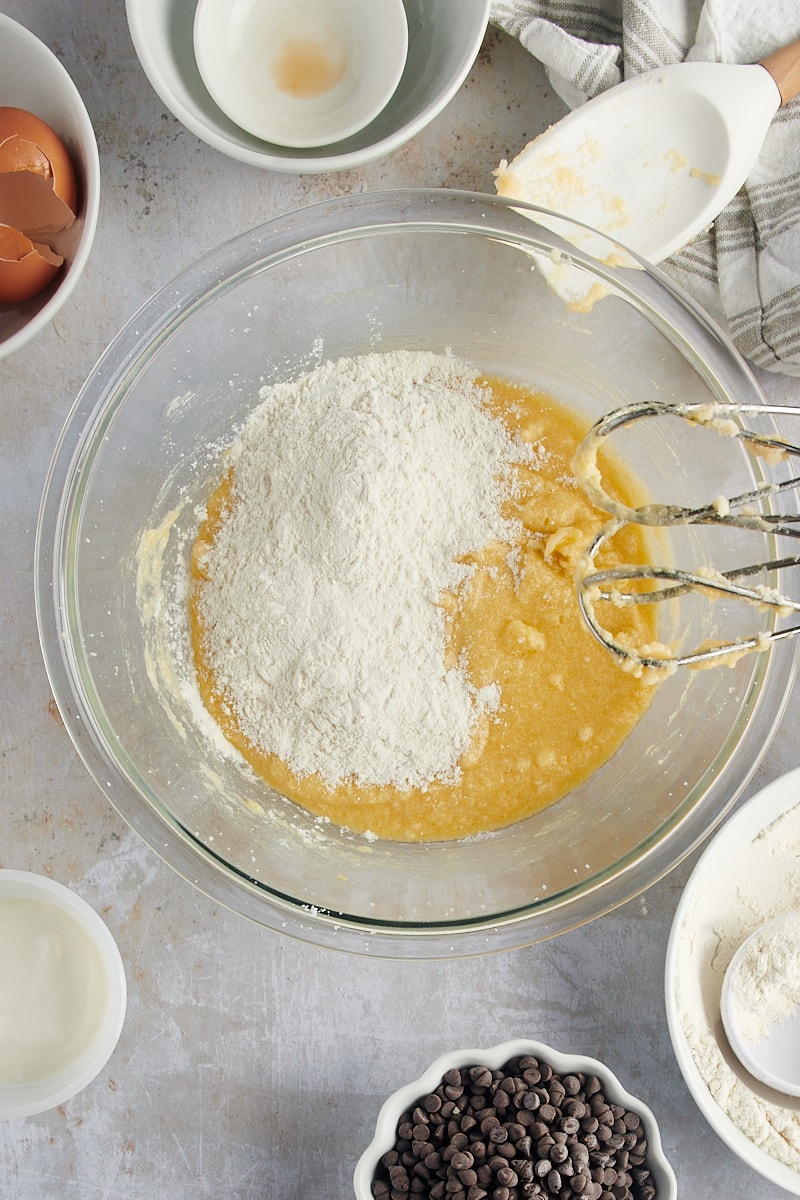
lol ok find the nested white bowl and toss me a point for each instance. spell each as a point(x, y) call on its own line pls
point(301, 74)
point(444, 37)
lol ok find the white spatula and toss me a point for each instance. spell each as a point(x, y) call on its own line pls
point(652, 161)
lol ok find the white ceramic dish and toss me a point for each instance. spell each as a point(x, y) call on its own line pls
point(495, 1057)
point(301, 72)
point(48, 1091)
point(740, 875)
point(31, 77)
point(444, 37)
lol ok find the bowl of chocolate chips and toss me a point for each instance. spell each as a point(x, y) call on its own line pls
point(514, 1121)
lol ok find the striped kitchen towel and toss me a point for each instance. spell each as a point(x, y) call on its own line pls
point(745, 270)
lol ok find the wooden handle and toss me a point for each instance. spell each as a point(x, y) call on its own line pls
point(784, 67)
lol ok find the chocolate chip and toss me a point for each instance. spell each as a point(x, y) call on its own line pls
point(523, 1145)
point(579, 1155)
point(516, 1133)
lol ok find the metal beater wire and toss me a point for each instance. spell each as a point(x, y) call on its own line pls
point(597, 584)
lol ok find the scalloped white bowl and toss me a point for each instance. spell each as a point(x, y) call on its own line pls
point(494, 1057)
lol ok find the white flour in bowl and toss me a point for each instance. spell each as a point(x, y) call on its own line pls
point(360, 490)
point(764, 986)
point(756, 881)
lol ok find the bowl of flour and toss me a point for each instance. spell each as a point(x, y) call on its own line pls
point(305, 580)
point(749, 874)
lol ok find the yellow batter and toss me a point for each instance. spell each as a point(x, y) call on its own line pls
point(565, 704)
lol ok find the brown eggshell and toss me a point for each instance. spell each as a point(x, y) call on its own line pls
point(27, 143)
point(25, 266)
point(38, 201)
point(29, 203)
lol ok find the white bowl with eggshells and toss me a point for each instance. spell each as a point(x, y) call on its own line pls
point(34, 80)
point(574, 1083)
point(62, 994)
point(746, 876)
point(444, 37)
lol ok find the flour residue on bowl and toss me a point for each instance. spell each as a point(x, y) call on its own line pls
point(161, 599)
point(383, 615)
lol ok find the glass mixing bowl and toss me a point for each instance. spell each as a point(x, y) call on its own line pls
point(141, 450)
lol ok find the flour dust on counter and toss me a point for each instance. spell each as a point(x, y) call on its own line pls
point(383, 614)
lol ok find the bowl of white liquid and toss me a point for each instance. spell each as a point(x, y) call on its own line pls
point(62, 994)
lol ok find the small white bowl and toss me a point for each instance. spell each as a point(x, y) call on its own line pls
point(100, 983)
point(301, 72)
point(31, 77)
point(444, 37)
point(406, 1097)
